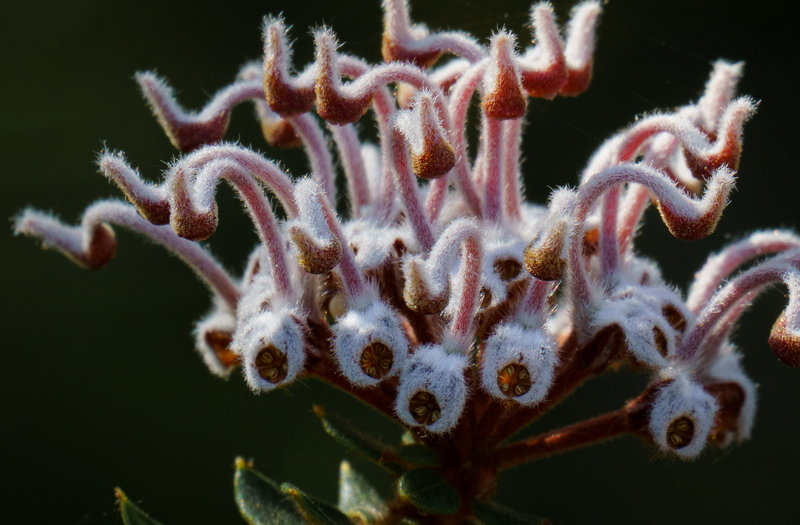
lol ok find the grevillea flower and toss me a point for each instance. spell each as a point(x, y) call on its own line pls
point(441, 297)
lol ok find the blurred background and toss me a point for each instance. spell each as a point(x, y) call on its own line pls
point(100, 384)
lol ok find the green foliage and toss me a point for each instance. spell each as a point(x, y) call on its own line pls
point(357, 498)
point(421, 490)
point(492, 514)
point(427, 490)
point(131, 514)
point(260, 500)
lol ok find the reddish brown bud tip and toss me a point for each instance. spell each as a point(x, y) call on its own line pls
point(577, 81)
point(312, 256)
point(279, 133)
point(102, 247)
point(543, 258)
point(189, 136)
point(436, 159)
point(418, 296)
point(336, 108)
point(219, 341)
point(281, 95)
point(504, 98)
point(195, 226)
point(785, 342)
point(393, 52)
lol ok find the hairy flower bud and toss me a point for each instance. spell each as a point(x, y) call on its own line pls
point(432, 391)
point(518, 363)
point(682, 417)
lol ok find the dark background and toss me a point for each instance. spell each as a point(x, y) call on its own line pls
point(100, 383)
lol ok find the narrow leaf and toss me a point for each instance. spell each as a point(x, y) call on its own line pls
point(417, 454)
point(427, 490)
point(131, 514)
point(316, 512)
point(353, 439)
point(357, 498)
point(260, 500)
point(493, 514)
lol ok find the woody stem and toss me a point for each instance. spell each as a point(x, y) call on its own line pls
point(578, 435)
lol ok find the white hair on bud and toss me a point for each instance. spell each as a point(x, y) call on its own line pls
point(728, 368)
point(376, 242)
point(221, 320)
point(358, 329)
point(512, 344)
point(278, 328)
point(431, 369)
point(682, 398)
point(256, 296)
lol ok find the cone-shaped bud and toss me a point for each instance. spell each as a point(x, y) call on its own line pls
point(213, 335)
point(421, 292)
point(186, 219)
point(370, 344)
point(727, 149)
point(333, 104)
point(186, 131)
point(399, 37)
point(579, 50)
point(90, 245)
point(151, 201)
point(432, 391)
point(277, 130)
point(318, 248)
point(518, 363)
point(682, 417)
point(545, 257)
point(784, 339)
point(504, 97)
point(270, 346)
point(284, 95)
point(431, 154)
point(685, 225)
point(543, 69)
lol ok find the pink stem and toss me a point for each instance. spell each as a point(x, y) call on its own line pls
point(492, 151)
point(350, 155)
point(318, 155)
point(407, 185)
point(512, 190)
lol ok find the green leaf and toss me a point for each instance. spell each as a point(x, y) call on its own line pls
point(259, 499)
point(357, 441)
point(357, 498)
point(315, 511)
point(131, 514)
point(417, 454)
point(493, 514)
point(427, 490)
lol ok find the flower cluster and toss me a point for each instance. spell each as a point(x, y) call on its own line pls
point(444, 298)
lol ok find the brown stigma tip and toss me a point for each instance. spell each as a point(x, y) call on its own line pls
point(424, 408)
point(376, 360)
point(514, 380)
point(680, 432)
point(272, 364)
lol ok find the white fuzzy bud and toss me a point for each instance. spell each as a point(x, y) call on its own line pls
point(270, 345)
point(370, 344)
point(519, 363)
point(682, 417)
point(432, 391)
